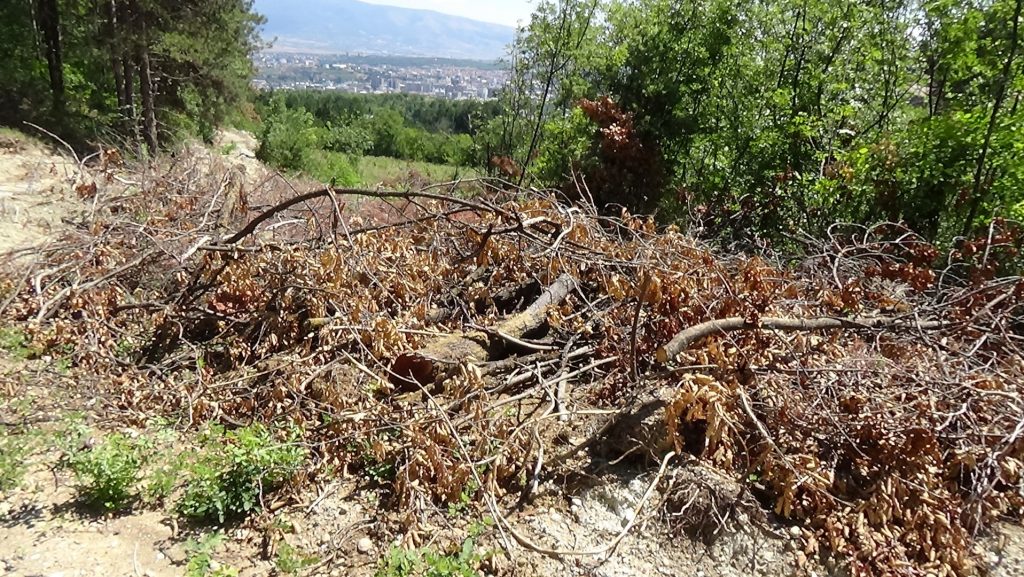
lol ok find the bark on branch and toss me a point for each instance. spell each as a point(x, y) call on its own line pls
point(684, 339)
point(422, 367)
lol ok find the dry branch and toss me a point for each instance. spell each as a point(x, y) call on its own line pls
point(941, 408)
point(253, 224)
point(417, 368)
point(684, 339)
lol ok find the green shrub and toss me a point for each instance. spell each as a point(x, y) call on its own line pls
point(233, 471)
point(288, 137)
point(108, 472)
point(331, 167)
point(353, 138)
point(429, 563)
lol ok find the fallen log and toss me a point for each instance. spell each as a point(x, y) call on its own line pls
point(684, 339)
point(422, 367)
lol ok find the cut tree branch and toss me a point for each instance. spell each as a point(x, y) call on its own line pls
point(418, 368)
point(684, 339)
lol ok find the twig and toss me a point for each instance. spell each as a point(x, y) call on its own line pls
point(645, 286)
point(58, 139)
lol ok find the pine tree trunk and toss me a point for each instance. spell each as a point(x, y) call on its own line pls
point(149, 132)
point(136, 24)
point(48, 15)
point(113, 39)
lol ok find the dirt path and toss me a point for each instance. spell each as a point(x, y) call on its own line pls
point(36, 191)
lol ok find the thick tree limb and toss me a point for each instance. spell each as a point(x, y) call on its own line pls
point(683, 340)
point(327, 192)
point(413, 369)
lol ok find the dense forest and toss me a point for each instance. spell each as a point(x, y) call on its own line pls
point(126, 71)
point(776, 117)
point(762, 119)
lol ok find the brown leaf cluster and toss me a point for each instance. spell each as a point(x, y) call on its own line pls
point(891, 449)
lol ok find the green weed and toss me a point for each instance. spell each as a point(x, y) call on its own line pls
point(429, 563)
point(108, 472)
point(291, 560)
point(16, 342)
point(13, 451)
point(234, 469)
point(200, 558)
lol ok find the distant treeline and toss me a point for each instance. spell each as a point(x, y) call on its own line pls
point(297, 124)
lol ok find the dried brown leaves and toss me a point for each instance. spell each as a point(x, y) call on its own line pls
point(890, 449)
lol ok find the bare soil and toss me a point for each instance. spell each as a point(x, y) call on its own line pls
point(36, 192)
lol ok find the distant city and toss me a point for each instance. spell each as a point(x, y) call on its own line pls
point(373, 74)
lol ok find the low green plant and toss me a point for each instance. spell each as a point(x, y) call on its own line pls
point(427, 562)
point(200, 562)
point(331, 167)
point(161, 481)
point(290, 560)
point(13, 451)
point(108, 472)
point(17, 342)
point(234, 469)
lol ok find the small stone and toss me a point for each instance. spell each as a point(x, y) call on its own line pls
point(795, 532)
point(214, 565)
point(364, 546)
point(160, 556)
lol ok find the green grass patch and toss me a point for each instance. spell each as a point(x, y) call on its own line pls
point(374, 170)
point(16, 342)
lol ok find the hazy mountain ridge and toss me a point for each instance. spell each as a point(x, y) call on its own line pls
point(353, 26)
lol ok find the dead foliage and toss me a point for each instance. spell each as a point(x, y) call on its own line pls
point(891, 444)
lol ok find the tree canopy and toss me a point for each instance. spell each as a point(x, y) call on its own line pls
point(776, 117)
point(143, 69)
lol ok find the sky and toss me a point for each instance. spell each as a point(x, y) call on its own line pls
point(508, 12)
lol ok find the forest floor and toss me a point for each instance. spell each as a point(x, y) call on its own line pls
point(341, 525)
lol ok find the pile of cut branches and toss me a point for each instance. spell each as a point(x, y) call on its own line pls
point(452, 344)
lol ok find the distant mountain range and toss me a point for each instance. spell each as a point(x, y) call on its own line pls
point(339, 26)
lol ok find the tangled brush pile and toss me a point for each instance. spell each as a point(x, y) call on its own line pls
point(442, 340)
